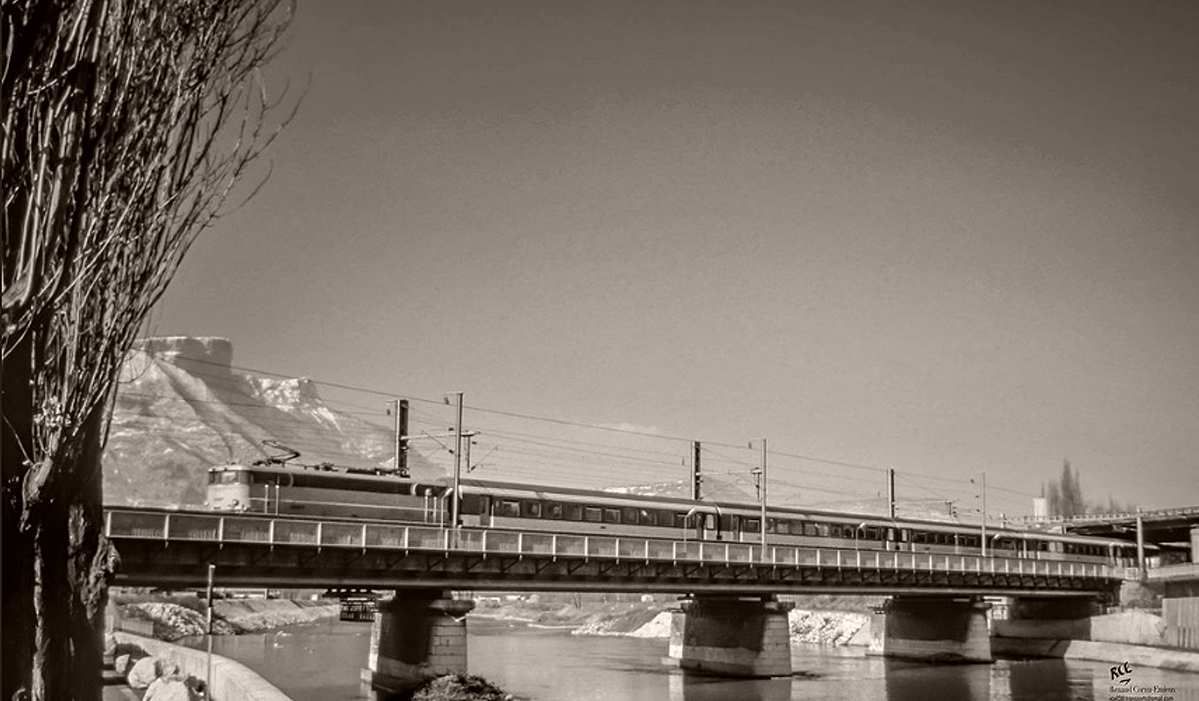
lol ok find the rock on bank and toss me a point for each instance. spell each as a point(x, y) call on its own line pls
point(171, 618)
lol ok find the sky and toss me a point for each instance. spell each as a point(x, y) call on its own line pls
point(946, 237)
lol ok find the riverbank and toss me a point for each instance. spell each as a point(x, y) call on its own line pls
point(846, 626)
point(230, 680)
point(173, 617)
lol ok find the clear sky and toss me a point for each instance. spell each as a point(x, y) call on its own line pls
point(941, 236)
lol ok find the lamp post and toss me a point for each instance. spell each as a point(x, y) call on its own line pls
point(208, 634)
point(858, 529)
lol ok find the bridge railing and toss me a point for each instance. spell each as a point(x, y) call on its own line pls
point(288, 531)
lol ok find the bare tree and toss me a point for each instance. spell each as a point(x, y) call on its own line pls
point(126, 124)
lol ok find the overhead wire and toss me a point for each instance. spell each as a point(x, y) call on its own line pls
point(705, 445)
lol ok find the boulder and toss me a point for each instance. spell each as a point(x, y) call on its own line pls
point(169, 689)
point(122, 663)
point(144, 672)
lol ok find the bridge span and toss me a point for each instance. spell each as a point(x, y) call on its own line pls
point(731, 623)
point(166, 547)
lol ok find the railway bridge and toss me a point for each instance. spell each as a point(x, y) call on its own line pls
point(731, 622)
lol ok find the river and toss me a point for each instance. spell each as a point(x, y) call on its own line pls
point(321, 661)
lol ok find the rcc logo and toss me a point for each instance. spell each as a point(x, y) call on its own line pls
point(1121, 673)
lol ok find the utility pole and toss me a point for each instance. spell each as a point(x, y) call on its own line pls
point(760, 473)
point(891, 492)
point(398, 408)
point(984, 514)
point(696, 477)
point(1141, 573)
point(457, 459)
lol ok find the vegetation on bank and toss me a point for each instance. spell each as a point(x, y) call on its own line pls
point(460, 687)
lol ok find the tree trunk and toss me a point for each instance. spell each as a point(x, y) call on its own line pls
point(16, 577)
point(56, 561)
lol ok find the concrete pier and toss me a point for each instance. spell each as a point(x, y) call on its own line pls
point(417, 635)
point(731, 636)
point(932, 629)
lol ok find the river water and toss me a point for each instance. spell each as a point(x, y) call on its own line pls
point(321, 661)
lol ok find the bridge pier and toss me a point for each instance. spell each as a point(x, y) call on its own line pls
point(731, 636)
point(1045, 617)
point(931, 629)
point(418, 634)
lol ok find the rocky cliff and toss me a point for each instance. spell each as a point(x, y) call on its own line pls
point(182, 407)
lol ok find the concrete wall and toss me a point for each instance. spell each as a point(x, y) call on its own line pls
point(1131, 627)
point(231, 681)
point(1136, 655)
point(1181, 618)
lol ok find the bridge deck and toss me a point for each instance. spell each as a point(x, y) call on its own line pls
point(167, 547)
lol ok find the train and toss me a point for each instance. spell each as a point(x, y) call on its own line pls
point(337, 493)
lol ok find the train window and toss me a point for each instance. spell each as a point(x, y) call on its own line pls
point(680, 521)
point(593, 514)
point(903, 535)
point(749, 525)
point(917, 537)
point(553, 510)
point(472, 504)
point(231, 477)
point(648, 518)
point(508, 508)
point(531, 509)
point(628, 515)
point(825, 529)
point(871, 533)
point(727, 523)
point(665, 518)
point(811, 529)
point(574, 512)
point(611, 515)
point(890, 534)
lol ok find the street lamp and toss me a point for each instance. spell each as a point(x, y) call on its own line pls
point(860, 527)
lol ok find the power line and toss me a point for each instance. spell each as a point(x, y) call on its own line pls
point(577, 424)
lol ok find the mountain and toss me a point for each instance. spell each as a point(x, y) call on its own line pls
point(182, 408)
point(713, 489)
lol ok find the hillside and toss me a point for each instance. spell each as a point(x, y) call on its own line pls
point(181, 408)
